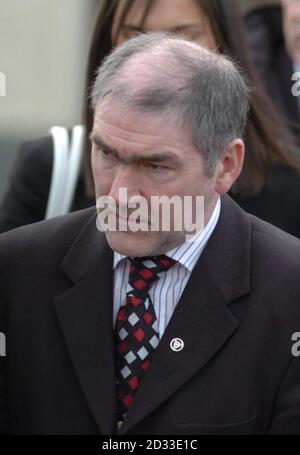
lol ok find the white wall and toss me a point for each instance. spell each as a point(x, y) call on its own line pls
point(43, 53)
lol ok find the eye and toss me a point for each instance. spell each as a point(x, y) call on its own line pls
point(106, 153)
point(191, 33)
point(106, 156)
point(156, 167)
point(195, 35)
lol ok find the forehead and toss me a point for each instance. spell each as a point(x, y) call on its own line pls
point(160, 15)
point(122, 128)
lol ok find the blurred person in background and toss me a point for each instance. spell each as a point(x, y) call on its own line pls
point(269, 186)
point(273, 31)
point(291, 29)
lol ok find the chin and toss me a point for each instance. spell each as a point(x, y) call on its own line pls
point(138, 244)
point(130, 244)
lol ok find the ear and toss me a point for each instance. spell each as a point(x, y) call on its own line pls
point(229, 166)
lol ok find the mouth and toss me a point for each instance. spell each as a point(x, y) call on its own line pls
point(120, 217)
point(127, 220)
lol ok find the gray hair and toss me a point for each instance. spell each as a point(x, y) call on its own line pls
point(200, 90)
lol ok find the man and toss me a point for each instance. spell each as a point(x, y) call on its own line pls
point(154, 331)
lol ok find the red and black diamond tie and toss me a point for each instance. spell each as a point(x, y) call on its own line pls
point(136, 330)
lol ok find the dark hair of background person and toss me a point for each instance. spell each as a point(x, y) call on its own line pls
point(267, 138)
point(266, 39)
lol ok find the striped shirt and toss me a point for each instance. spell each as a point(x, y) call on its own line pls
point(166, 292)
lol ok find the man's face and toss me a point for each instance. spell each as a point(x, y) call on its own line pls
point(291, 28)
point(148, 156)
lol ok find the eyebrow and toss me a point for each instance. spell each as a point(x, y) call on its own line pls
point(156, 157)
point(180, 27)
point(101, 144)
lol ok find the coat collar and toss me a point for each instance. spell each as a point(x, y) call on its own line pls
point(202, 318)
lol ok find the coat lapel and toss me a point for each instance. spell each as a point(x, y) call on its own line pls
point(202, 318)
point(85, 316)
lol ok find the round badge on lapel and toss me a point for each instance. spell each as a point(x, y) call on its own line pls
point(177, 344)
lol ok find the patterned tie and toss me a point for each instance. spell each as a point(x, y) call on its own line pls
point(136, 330)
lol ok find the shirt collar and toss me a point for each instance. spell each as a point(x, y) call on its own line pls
point(188, 253)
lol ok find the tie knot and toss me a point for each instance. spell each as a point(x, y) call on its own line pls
point(144, 271)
